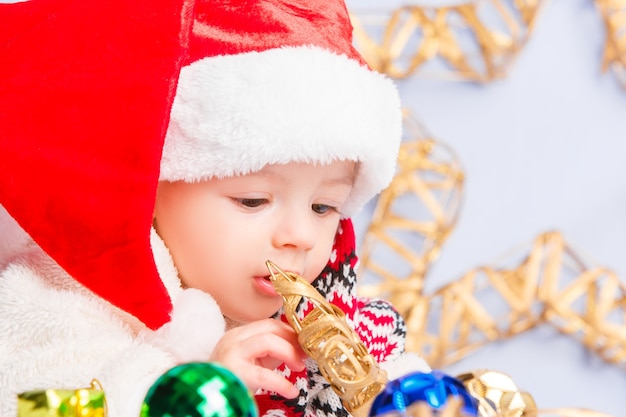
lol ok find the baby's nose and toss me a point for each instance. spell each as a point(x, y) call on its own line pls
point(294, 230)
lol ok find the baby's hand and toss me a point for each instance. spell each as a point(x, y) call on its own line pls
point(254, 350)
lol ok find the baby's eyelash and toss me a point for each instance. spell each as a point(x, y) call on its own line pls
point(250, 202)
point(324, 208)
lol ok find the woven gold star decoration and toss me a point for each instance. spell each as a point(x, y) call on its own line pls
point(552, 285)
point(613, 14)
point(549, 284)
point(475, 41)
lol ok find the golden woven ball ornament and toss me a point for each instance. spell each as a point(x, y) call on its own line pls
point(472, 41)
point(429, 181)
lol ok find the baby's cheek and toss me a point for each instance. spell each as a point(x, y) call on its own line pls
point(316, 270)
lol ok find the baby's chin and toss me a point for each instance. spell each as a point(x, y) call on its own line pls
point(238, 321)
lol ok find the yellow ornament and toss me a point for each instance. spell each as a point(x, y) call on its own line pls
point(84, 402)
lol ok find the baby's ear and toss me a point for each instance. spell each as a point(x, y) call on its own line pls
point(195, 327)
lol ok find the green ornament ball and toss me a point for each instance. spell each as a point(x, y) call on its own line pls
point(199, 389)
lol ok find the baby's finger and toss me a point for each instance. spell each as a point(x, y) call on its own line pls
point(272, 381)
point(268, 326)
point(271, 350)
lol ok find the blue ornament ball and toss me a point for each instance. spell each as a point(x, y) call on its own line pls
point(433, 388)
point(199, 389)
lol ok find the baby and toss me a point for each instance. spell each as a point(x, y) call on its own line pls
point(278, 133)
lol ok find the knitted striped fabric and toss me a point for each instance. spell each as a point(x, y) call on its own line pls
point(378, 325)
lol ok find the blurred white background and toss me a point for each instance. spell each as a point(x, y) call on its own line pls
point(542, 150)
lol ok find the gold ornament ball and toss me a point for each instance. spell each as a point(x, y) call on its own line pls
point(497, 395)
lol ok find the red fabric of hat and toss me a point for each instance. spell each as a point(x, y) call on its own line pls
point(85, 98)
point(230, 27)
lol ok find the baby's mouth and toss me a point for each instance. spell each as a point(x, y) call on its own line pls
point(278, 275)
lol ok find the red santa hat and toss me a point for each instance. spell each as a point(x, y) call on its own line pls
point(101, 100)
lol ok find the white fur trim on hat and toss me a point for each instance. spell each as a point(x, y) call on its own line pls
point(234, 114)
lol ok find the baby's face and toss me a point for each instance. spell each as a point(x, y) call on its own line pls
point(220, 232)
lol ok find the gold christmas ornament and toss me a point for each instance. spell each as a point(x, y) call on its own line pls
point(326, 337)
point(85, 402)
point(497, 395)
point(613, 14)
point(474, 41)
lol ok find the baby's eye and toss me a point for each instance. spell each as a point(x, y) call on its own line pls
point(322, 208)
point(251, 202)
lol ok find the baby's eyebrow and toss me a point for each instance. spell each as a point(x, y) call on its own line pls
point(347, 179)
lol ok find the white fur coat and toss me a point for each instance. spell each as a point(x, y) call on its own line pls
point(54, 333)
